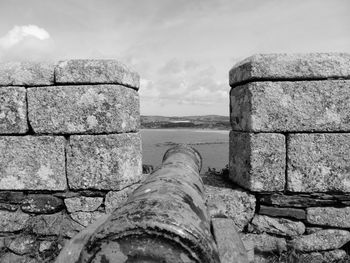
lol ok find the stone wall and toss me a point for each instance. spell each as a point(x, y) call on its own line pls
point(290, 149)
point(69, 151)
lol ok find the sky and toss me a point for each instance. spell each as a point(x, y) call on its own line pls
point(183, 50)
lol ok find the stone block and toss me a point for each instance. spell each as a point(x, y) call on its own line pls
point(295, 213)
point(115, 199)
point(235, 204)
point(83, 204)
point(41, 204)
point(257, 161)
point(24, 244)
point(32, 163)
point(13, 110)
point(13, 221)
point(229, 243)
point(277, 226)
point(265, 243)
point(291, 106)
point(59, 224)
point(86, 218)
point(321, 240)
point(104, 162)
point(318, 162)
point(291, 66)
point(329, 216)
point(300, 200)
point(83, 109)
point(82, 71)
point(26, 73)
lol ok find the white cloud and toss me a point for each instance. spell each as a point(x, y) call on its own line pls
point(18, 33)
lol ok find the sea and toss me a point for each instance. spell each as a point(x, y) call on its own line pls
point(213, 145)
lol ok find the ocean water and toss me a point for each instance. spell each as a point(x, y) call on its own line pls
point(213, 145)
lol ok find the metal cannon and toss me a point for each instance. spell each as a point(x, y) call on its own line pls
point(164, 220)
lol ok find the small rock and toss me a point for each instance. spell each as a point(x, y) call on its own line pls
point(54, 224)
point(11, 197)
point(10, 257)
point(329, 216)
point(321, 240)
point(311, 230)
point(8, 207)
point(116, 198)
point(278, 226)
point(45, 245)
point(332, 256)
point(265, 243)
point(283, 212)
point(236, 204)
point(86, 218)
point(23, 245)
point(295, 200)
point(41, 204)
point(83, 204)
point(13, 221)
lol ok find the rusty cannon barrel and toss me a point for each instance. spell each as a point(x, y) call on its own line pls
point(163, 220)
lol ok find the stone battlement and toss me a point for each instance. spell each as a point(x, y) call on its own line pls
point(290, 147)
point(69, 150)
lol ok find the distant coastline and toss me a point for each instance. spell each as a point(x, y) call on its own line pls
point(212, 122)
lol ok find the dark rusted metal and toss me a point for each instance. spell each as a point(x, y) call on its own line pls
point(164, 220)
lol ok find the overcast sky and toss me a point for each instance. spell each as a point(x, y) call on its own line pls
point(182, 49)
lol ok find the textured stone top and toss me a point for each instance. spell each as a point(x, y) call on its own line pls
point(77, 71)
point(95, 71)
point(291, 67)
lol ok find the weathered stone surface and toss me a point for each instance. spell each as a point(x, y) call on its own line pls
point(13, 110)
point(329, 216)
point(296, 200)
point(41, 204)
point(283, 212)
point(229, 243)
point(55, 224)
point(311, 230)
point(291, 66)
point(78, 109)
point(32, 163)
point(81, 71)
point(108, 162)
point(115, 199)
point(46, 245)
point(11, 197)
point(321, 240)
point(287, 106)
point(8, 207)
point(86, 218)
point(279, 226)
point(13, 221)
point(333, 256)
point(265, 243)
point(83, 204)
point(235, 204)
point(25, 244)
point(26, 73)
point(257, 161)
point(10, 257)
point(318, 162)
